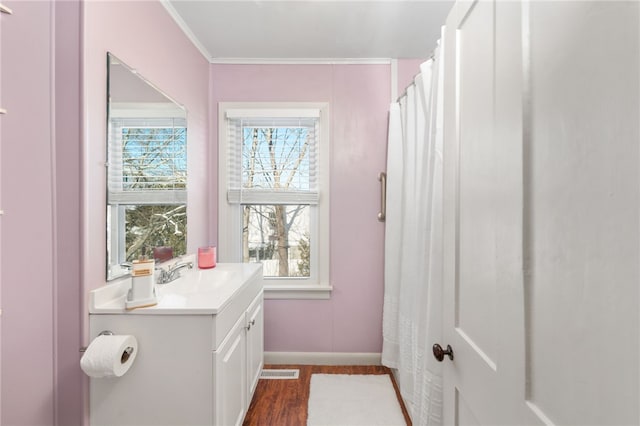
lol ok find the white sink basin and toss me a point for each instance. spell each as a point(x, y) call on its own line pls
point(197, 291)
point(198, 281)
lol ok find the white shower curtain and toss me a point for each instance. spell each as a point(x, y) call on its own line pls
point(413, 243)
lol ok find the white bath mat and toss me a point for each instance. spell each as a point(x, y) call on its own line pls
point(353, 399)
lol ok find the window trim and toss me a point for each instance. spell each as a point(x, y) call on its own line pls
point(229, 224)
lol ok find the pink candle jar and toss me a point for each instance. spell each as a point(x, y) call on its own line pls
point(206, 257)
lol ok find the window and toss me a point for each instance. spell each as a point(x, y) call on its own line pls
point(146, 197)
point(274, 198)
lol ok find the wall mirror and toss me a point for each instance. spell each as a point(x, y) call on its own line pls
point(146, 171)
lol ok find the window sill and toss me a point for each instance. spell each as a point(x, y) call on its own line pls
point(297, 292)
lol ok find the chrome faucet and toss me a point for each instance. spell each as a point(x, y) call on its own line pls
point(172, 273)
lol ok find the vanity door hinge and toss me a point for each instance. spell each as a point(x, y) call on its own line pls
point(3, 111)
point(1, 212)
point(5, 9)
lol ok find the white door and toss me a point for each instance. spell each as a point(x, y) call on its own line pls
point(541, 213)
point(483, 215)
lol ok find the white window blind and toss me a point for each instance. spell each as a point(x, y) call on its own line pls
point(147, 161)
point(273, 159)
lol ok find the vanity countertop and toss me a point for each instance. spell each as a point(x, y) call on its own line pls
point(197, 291)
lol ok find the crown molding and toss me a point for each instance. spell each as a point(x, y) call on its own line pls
point(185, 29)
point(264, 61)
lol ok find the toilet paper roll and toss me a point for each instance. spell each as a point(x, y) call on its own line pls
point(109, 355)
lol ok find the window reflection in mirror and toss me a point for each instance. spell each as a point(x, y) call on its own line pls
point(146, 171)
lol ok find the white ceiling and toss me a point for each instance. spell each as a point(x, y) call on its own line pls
point(308, 29)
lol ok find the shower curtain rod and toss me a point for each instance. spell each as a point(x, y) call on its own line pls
point(405, 90)
point(413, 81)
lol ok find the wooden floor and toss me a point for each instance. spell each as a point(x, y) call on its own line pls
point(283, 402)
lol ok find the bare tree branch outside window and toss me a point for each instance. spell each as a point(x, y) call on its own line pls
point(154, 159)
point(276, 159)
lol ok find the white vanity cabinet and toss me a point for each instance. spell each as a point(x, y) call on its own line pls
point(237, 366)
point(200, 351)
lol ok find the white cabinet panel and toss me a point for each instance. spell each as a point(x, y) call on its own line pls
point(255, 344)
point(169, 382)
point(230, 377)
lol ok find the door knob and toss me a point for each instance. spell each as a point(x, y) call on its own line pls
point(439, 353)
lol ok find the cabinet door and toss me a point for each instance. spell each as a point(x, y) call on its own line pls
point(255, 344)
point(230, 377)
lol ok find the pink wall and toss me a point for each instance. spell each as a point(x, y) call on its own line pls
point(28, 330)
point(358, 96)
point(143, 35)
point(39, 278)
point(407, 70)
point(68, 140)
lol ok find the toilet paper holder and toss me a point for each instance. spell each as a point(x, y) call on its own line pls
point(108, 333)
point(127, 351)
point(125, 355)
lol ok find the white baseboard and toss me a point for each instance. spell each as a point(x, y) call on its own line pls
point(322, 358)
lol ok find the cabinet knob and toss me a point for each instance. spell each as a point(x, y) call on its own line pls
point(252, 322)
